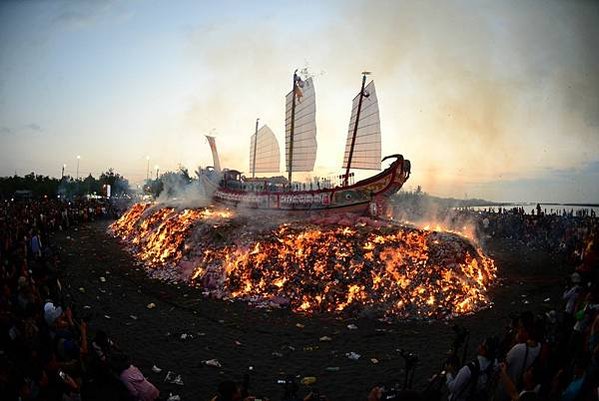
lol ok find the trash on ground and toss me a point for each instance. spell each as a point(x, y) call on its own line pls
point(173, 378)
point(353, 356)
point(308, 380)
point(212, 362)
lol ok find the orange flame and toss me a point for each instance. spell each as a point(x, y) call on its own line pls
point(395, 270)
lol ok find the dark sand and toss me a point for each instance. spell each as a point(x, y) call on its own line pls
point(154, 338)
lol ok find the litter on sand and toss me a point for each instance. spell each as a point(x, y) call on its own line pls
point(173, 378)
point(212, 362)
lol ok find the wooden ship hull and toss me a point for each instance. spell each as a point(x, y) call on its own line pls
point(366, 195)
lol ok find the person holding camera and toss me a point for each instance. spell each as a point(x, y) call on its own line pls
point(474, 380)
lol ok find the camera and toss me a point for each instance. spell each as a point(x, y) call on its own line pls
point(410, 358)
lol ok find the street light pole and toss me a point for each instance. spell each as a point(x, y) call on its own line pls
point(156, 167)
point(78, 158)
point(62, 172)
point(148, 169)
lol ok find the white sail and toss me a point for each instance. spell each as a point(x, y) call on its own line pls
point(303, 155)
point(367, 146)
point(215, 157)
point(267, 158)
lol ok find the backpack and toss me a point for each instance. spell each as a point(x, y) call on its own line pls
point(474, 390)
point(535, 365)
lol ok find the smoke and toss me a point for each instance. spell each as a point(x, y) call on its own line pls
point(431, 213)
point(183, 192)
point(470, 92)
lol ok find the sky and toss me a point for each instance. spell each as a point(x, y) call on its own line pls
point(489, 99)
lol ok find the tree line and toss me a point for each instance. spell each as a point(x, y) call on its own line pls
point(37, 185)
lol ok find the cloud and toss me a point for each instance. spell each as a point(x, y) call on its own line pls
point(5, 131)
point(28, 129)
point(578, 184)
point(34, 127)
point(475, 93)
point(84, 13)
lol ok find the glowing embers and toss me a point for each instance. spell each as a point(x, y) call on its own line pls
point(390, 270)
point(157, 236)
point(394, 271)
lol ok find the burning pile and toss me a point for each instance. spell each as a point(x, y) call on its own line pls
point(390, 270)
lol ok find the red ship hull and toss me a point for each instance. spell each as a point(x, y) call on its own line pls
point(356, 198)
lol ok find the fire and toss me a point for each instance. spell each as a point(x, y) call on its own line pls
point(395, 271)
point(159, 235)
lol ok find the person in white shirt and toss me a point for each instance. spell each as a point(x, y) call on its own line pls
point(522, 355)
point(473, 380)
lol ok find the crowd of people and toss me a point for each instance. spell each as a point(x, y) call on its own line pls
point(557, 231)
point(547, 356)
point(551, 356)
point(46, 352)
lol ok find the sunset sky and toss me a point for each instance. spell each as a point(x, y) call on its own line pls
point(490, 99)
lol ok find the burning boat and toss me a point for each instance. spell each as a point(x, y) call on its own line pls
point(331, 262)
point(362, 151)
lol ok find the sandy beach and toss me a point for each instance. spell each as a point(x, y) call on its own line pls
point(104, 283)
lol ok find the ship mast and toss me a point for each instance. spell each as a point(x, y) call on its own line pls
point(353, 139)
point(293, 88)
point(255, 144)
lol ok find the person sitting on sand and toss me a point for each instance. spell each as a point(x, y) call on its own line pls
point(138, 386)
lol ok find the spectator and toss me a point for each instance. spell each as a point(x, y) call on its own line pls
point(530, 391)
point(42, 346)
point(526, 351)
point(138, 386)
point(474, 380)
